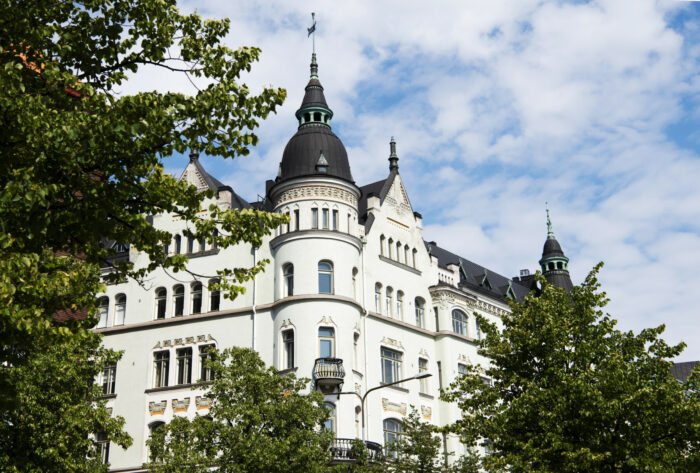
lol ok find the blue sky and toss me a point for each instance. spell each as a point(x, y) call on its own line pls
point(497, 107)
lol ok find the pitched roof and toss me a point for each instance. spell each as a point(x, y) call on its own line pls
point(380, 189)
point(681, 371)
point(476, 277)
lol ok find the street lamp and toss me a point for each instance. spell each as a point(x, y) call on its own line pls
point(362, 398)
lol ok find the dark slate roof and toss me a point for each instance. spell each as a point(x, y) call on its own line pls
point(552, 248)
point(304, 149)
point(237, 202)
point(681, 371)
point(559, 279)
point(379, 189)
point(313, 97)
point(474, 276)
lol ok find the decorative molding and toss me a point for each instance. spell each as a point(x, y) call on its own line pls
point(426, 412)
point(327, 320)
point(463, 357)
point(156, 408)
point(392, 342)
point(286, 323)
point(423, 352)
point(317, 192)
point(202, 402)
point(389, 406)
point(181, 405)
point(187, 341)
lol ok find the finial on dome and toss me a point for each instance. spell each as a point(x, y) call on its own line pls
point(312, 32)
point(393, 157)
point(550, 232)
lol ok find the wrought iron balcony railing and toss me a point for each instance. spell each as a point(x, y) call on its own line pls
point(342, 452)
point(328, 374)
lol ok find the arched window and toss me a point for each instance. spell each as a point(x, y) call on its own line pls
point(325, 277)
point(329, 425)
point(104, 312)
point(178, 300)
point(392, 432)
point(420, 312)
point(326, 342)
point(190, 245)
point(161, 300)
point(398, 251)
point(153, 427)
point(178, 244)
point(354, 283)
point(459, 322)
point(415, 252)
point(196, 298)
point(378, 298)
point(389, 248)
point(399, 305)
point(214, 296)
point(407, 255)
point(288, 284)
point(120, 309)
point(382, 242)
point(287, 349)
point(388, 301)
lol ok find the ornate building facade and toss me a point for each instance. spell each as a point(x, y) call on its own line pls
point(353, 299)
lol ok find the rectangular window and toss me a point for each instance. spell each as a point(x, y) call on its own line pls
point(335, 220)
point(197, 299)
point(326, 342)
point(420, 316)
point(314, 218)
point(461, 369)
point(102, 447)
point(391, 365)
point(288, 349)
point(325, 219)
point(202, 245)
point(184, 365)
point(296, 220)
point(161, 368)
point(109, 374)
point(214, 300)
point(422, 368)
point(349, 223)
point(190, 245)
point(205, 353)
point(437, 323)
point(286, 225)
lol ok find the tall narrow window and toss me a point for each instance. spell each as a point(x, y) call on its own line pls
point(399, 305)
point(326, 342)
point(161, 300)
point(161, 368)
point(335, 220)
point(178, 300)
point(214, 242)
point(102, 447)
point(314, 218)
point(420, 312)
point(392, 433)
point(109, 376)
point(214, 296)
point(406, 255)
point(461, 369)
point(329, 425)
point(178, 244)
point(478, 330)
point(205, 354)
point(296, 220)
point(459, 322)
point(391, 365)
point(437, 319)
point(378, 298)
point(389, 247)
point(349, 223)
point(104, 312)
point(423, 368)
point(119, 309)
point(288, 280)
point(355, 349)
point(152, 429)
point(324, 220)
point(354, 283)
point(325, 277)
point(382, 242)
point(388, 302)
point(287, 225)
point(202, 245)
point(184, 365)
point(415, 252)
point(190, 244)
point(398, 251)
point(196, 298)
point(288, 349)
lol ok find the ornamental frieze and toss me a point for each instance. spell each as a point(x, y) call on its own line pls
point(156, 408)
point(184, 341)
point(426, 412)
point(317, 192)
point(394, 406)
point(181, 405)
point(392, 342)
point(202, 402)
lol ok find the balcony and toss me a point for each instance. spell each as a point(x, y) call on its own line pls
point(328, 374)
point(341, 452)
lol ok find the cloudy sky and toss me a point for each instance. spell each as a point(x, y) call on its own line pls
point(497, 107)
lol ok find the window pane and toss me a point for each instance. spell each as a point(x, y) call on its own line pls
point(324, 283)
point(326, 350)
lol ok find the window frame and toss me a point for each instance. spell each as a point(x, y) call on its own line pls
point(109, 379)
point(183, 362)
point(161, 303)
point(326, 338)
point(420, 312)
point(391, 436)
point(196, 293)
point(204, 353)
point(178, 300)
point(120, 309)
point(214, 297)
point(103, 306)
point(423, 367)
point(314, 218)
point(288, 280)
point(287, 349)
point(391, 363)
point(161, 368)
point(460, 324)
point(325, 273)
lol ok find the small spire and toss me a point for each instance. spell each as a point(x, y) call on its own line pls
point(314, 67)
point(393, 157)
point(550, 232)
point(312, 33)
point(194, 154)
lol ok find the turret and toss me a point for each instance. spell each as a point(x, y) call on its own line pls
point(554, 263)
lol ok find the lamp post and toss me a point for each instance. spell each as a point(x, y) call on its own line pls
point(362, 398)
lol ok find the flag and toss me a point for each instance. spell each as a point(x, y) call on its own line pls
point(311, 30)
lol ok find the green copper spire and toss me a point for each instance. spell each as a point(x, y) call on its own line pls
point(550, 232)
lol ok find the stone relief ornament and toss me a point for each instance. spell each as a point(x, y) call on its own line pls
point(394, 406)
point(157, 407)
point(392, 342)
point(181, 405)
point(202, 402)
point(426, 412)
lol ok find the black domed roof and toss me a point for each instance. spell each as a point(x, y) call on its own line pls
point(552, 248)
point(302, 153)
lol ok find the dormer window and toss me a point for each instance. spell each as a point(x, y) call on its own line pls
point(322, 164)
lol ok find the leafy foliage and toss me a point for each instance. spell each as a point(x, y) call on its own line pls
point(417, 449)
point(259, 421)
point(571, 393)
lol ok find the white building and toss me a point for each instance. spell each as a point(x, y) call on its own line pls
point(353, 294)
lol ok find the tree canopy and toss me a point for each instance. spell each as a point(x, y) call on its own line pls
point(259, 421)
point(571, 393)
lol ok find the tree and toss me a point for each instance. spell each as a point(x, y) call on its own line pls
point(570, 393)
point(82, 165)
point(258, 421)
point(418, 448)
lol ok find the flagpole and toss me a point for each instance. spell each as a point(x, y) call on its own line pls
point(313, 33)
